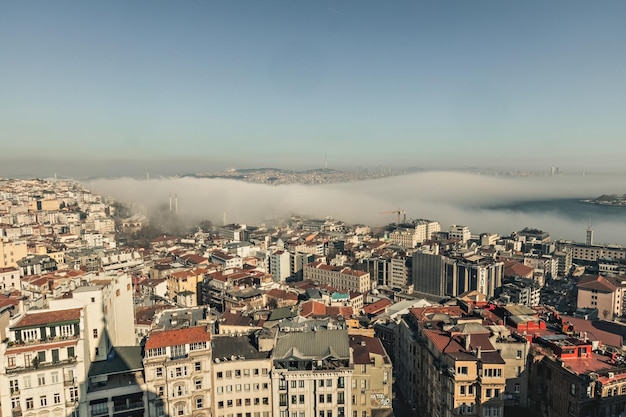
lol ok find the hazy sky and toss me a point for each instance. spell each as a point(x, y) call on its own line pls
point(279, 83)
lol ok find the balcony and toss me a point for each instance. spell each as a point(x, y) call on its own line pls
point(40, 365)
point(16, 412)
point(128, 406)
point(34, 342)
point(68, 382)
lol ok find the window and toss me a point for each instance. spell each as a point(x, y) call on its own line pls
point(14, 386)
point(282, 400)
point(461, 370)
point(54, 375)
point(341, 381)
point(220, 375)
point(220, 404)
point(11, 361)
point(41, 379)
point(237, 373)
point(488, 393)
point(282, 384)
point(321, 383)
point(95, 333)
point(179, 408)
point(517, 390)
point(462, 390)
point(27, 379)
point(74, 394)
point(199, 402)
point(329, 398)
point(29, 403)
point(321, 398)
point(293, 383)
point(43, 401)
point(220, 390)
point(294, 399)
point(518, 354)
point(158, 372)
point(160, 390)
point(329, 383)
point(301, 399)
point(246, 387)
point(198, 383)
point(229, 374)
point(198, 366)
point(340, 398)
point(178, 350)
point(572, 389)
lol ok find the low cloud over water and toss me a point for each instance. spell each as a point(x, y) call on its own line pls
point(484, 203)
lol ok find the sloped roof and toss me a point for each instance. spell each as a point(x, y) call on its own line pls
point(313, 344)
point(596, 282)
point(163, 338)
point(48, 317)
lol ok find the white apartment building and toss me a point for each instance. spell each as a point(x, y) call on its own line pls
point(43, 368)
point(177, 366)
point(280, 265)
point(241, 377)
point(461, 233)
point(10, 279)
point(312, 374)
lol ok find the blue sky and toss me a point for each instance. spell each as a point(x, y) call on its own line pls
point(280, 83)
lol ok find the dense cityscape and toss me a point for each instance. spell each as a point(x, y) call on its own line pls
point(105, 312)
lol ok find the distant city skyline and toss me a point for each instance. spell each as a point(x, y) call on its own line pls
point(180, 87)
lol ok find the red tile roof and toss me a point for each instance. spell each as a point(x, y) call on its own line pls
point(312, 309)
point(48, 317)
point(377, 307)
point(164, 338)
point(363, 346)
point(280, 294)
point(598, 283)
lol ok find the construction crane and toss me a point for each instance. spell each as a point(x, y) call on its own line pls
point(398, 212)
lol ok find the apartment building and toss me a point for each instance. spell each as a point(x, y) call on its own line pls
point(177, 366)
point(280, 265)
point(342, 278)
point(606, 294)
point(11, 251)
point(241, 376)
point(312, 374)
point(43, 365)
point(372, 376)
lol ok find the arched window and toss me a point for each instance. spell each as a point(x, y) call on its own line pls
point(179, 409)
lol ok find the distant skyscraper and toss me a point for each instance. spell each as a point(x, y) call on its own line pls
point(589, 240)
point(554, 171)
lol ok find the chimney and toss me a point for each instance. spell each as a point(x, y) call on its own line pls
point(478, 352)
point(468, 341)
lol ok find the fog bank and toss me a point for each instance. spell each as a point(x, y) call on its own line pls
point(448, 197)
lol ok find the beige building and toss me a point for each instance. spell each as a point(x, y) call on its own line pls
point(341, 278)
point(11, 251)
point(241, 377)
point(185, 281)
point(372, 376)
point(606, 294)
point(177, 366)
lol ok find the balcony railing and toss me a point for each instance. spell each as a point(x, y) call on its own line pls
point(30, 342)
point(40, 365)
point(129, 406)
point(16, 412)
point(68, 382)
